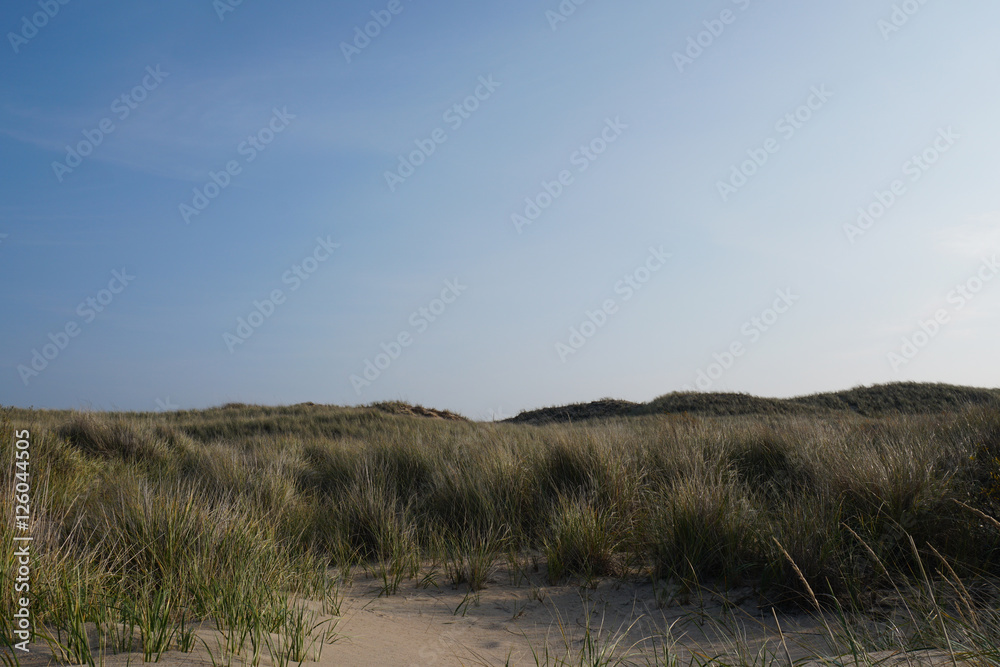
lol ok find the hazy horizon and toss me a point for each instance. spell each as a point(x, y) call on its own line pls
point(497, 207)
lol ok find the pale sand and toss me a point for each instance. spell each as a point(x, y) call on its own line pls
point(445, 626)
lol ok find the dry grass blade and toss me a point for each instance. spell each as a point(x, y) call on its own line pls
point(981, 514)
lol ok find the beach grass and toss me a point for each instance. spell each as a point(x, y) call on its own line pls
point(146, 525)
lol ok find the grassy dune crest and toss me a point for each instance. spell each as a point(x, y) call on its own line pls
point(147, 523)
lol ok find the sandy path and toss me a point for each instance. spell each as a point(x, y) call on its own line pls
point(504, 624)
point(446, 627)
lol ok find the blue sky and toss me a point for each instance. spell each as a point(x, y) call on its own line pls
point(694, 201)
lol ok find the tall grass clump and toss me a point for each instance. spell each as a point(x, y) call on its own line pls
point(701, 529)
point(114, 438)
point(584, 540)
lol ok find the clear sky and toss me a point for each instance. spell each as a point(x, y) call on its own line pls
point(494, 206)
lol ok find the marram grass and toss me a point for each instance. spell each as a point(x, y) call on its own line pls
point(224, 515)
